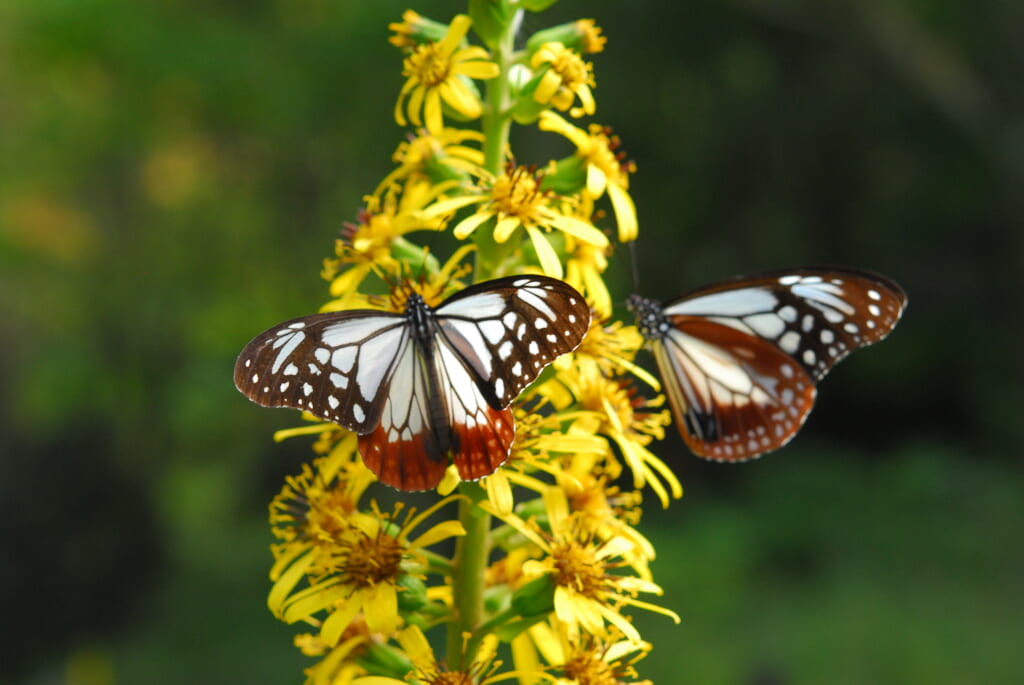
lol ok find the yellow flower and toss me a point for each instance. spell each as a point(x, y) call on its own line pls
point(435, 73)
point(439, 157)
point(350, 561)
point(612, 408)
point(606, 171)
point(565, 78)
point(579, 659)
point(590, 587)
point(604, 509)
point(539, 436)
point(479, 668)
point(612, 347)
point(513, 200)
point(590, 36)
point(377, 241)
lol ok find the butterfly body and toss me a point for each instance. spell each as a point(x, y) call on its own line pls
point(740, 360)
point(423, 386)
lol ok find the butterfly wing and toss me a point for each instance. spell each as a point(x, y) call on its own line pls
point(740, 359)
point(507, 330)
point(405, 450)
point(336, 365)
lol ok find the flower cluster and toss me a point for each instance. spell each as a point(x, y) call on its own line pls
point(547, 564)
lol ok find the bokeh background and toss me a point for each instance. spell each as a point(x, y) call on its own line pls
point(173, 172)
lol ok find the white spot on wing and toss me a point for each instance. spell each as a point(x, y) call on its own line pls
point(790, 342)
point(766, 325)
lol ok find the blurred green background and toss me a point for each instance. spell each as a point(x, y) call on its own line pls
point(172, 173)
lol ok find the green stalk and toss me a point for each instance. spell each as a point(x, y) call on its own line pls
point(471, 554)
point(473, 549)
point(496, 124)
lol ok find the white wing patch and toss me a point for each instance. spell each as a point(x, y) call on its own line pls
point(727, 303)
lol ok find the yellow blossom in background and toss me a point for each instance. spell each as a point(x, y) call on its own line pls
point(566, 78)
point(605, 171)
point(435, 73)
point(479, 667)
point(578, 659)
point(591, 38)
point(436, 157)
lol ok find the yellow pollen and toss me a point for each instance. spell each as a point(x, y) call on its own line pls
point(586, 669)
point(451, 678)
point(578, 569)
point(571, 68)
point(517, 193)
point(370, 561)
point(428, 65)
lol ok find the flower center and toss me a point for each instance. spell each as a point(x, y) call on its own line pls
point(576, 567)
point(517, 193)
point(585, 669)
point(372, 560)
point(571, 68)
point(427, 64)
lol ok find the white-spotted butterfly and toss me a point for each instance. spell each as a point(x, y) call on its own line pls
point(740, 359)
point(426, 385)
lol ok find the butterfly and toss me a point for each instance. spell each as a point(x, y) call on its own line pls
point(740, 359)
point(422, 386)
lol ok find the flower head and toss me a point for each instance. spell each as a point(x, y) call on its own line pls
point(351, 562)
point(590, 587)
point(564, 78)
point(438, 73)
point(606, 168)
point(515, 200)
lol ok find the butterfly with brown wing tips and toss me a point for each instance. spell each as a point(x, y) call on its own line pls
point(740, 359)
point(425, 385)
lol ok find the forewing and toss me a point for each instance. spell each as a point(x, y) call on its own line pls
point(335, 365)
point(816, 316)
point(404, 450)
point(507, 330)
point(733, 395)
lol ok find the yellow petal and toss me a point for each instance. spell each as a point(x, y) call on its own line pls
point(625, 213)
point(432, 111)
point(620, 622)
point(479, 69)
point(548, 86)
point(287, 582)
point(524, 656)
point(442, 531)
point(499, 492)
point(381, 608)
point(339, 619)
point(415, 644)
point(465, 227)
point(504, 228)
point(460, 98)
point(546, 254)
point(596, 180)
point(456, 32)
point(547, 643)
point(442, 207)
point(415, 105)
point(304, 604)
point(578, 228)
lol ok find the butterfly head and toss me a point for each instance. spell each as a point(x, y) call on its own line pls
point(649, 318)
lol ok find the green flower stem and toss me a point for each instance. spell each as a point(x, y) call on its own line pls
point(471, 554)
point(496, 125)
